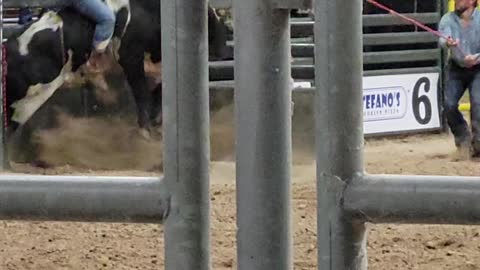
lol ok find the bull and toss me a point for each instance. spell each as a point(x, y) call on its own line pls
point(43, 54)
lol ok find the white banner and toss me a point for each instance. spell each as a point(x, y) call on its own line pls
point(398, 103)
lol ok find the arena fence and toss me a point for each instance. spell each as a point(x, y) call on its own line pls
point(75, 198)
point(348, 197)
point(183, 195)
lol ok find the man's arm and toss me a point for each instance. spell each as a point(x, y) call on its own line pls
point(445, 28)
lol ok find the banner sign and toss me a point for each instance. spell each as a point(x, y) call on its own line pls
point(399, 103)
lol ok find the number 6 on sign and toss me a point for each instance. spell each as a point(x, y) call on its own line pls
point(422, 99)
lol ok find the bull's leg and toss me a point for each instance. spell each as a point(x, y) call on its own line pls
point(154, 72)
point(134, 71)
point(156, 114)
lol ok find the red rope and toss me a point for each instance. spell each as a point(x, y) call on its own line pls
point(413, 21)
point(417, 23)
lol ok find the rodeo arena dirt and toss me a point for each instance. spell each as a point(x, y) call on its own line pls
point(98, 136)
point(49, 245)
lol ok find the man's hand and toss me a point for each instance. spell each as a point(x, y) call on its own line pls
point(471, 60)
point(451, 42)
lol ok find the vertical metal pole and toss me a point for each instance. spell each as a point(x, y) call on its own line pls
point(263, 135)
point(442, 8)
point(186, 118)
point(339, 130)
point(3, 110)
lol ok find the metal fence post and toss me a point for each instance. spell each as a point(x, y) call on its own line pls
point(185, 111)
point(263, 135)
point(3, 111)
point(339, 129)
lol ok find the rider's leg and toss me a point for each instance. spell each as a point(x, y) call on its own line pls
point(24, 16)
point(103, 16)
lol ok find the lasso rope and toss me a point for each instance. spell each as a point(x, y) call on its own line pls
point(413, 21)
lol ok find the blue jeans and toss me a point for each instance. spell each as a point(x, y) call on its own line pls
point(25, 16)
point(99, 12)
point(458, 80)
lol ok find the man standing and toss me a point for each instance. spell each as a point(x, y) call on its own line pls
point(462, 26)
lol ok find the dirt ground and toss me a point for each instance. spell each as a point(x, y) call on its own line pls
point(44, 245)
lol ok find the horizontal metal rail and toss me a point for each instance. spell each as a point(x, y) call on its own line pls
point(10, 29)
point(83, 198)
point(32, 3)
point(401, 56)
point(224, 71)
point(399, 71)
point(414, 199)
point(387, 19)
point(305, 28)
point(398, 38)
point(307, 50)
point(14, 20)
point(229, 83)
point(221, 3)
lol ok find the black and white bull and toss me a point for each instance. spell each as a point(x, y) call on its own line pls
point(43, 55)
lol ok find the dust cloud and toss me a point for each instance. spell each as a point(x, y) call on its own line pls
point(98, 144)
